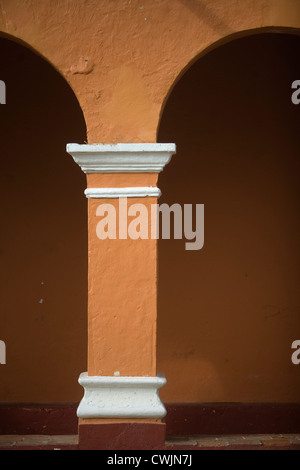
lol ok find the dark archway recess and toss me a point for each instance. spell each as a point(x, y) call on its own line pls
point(43, 237)
point(228, 314)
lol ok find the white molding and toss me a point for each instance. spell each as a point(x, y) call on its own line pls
point(122, 192)
point(122, 158)
point(121, 397)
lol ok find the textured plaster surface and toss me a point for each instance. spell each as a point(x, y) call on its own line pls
point(122, 57)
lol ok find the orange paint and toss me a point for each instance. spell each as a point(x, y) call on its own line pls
point(122, 307)
point(120, 180)
point(122, 60)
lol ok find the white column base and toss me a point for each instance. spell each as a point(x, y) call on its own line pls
point(121, 397)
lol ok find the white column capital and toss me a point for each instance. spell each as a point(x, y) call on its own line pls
point(122, 157)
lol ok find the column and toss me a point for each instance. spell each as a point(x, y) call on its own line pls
point(121, 407)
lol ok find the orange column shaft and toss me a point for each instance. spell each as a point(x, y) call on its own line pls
point(122, 305)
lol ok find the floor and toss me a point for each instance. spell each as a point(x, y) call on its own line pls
point(232, 442)
point(238, 442)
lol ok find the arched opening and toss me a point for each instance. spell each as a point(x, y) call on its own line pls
point(43, 239)
point(228, 314)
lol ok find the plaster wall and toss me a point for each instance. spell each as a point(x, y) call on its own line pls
point(122, 59)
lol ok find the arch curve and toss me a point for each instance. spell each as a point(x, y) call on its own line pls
point(214, 45)
point(235, 128)
point(21, 42)
point(43, 244)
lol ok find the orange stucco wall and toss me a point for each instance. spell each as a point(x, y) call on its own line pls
point(122, 59)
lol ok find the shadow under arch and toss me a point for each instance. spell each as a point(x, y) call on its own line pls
point(43, 239)
point(224, 40)
point(228, 314)
point(29, 47)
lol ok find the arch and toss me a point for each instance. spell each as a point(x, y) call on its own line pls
point(35, 51)
point(216, 44)
point(245, 130)
point(43, 241)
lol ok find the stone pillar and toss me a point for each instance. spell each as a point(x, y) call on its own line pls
point(121, 406)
